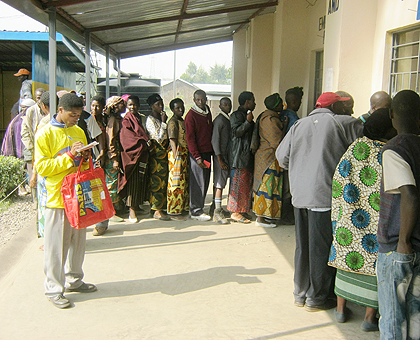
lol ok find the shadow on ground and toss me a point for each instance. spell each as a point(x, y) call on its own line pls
point(178, 283)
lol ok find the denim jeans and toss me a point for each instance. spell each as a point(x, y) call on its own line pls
point(399, 295)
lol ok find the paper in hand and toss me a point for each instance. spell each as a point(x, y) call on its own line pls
point(87, 147)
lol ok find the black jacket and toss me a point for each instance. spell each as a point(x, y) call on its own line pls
point(241, 156)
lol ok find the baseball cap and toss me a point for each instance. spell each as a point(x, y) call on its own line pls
point(328, 98)
point(22, 72)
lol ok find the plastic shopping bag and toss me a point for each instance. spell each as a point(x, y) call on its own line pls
point(86, 197)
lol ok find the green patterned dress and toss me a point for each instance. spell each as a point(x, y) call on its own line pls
point(355, 215)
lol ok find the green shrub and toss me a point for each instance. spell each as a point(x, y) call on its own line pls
point(12, 173)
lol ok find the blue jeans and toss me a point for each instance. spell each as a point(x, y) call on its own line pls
point(399, 295)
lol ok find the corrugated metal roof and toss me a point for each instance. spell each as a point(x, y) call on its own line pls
point(16, 50)
point(137, 27)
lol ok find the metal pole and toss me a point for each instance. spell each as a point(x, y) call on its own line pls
point(119, 75)
point(87, 69)
point(107, 73)
point(174, 83)
point(52, 56)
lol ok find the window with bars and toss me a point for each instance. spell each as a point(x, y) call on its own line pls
point(405, 67)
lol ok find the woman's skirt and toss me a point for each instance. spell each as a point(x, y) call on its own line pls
point(240, 191)
point(136, 188)
point(158, 176)
point(268, 199)
point(358, 288)
point(178, 197)
point(111, 179)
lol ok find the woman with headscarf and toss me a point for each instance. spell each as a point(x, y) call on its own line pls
point(355, 214)
point(158, 160)
point(134, 155)
point(268, 176)
point(112, 158)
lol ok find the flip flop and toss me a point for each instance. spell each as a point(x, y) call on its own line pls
point(242, 220)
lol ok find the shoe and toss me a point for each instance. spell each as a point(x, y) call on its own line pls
point(98, 231)
point(328, 304)
point(267, 225)
point(177, 218)
point(59, 301)
point(161, 216)
point(299, 304)
point(369, 327)
point(132, 220)
point(341, 317)
point(218, 217)
point(83, 288)
point(116, 218)
point(203, 217)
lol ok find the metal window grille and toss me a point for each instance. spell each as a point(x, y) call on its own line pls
point(405, 59)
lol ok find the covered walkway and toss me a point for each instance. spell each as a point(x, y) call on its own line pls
point(168, 280)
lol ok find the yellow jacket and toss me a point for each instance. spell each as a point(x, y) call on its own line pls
point(54, 161)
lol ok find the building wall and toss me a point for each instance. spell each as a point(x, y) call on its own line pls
point(348, 52)
point(298, 36)
point(277, 52)
point(392, 16)
point(280, 48)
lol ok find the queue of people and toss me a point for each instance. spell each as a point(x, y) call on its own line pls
point(352, 185)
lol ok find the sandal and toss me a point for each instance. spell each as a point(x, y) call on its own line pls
point(242, 220)
point(162, 217)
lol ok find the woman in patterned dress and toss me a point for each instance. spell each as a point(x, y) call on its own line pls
point(355, 214)
point(178, 198)
point(158, 159)
point(268, 176)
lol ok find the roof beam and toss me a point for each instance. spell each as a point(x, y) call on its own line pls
point(174, 47)
point(179, 33)
point(183, 11)
point(249, 19)
point(63, 3)
point(184, 16)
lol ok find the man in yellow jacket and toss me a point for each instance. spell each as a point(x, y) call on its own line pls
point(55, 157)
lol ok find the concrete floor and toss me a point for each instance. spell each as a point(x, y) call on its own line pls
point(168, 280)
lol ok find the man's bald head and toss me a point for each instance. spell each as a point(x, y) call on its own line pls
point(380, 100)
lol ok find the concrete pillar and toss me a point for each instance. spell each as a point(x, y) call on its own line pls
point(260, 61)
point(52, 55)
point(239, 66)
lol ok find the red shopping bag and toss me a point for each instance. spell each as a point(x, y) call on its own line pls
point(86, 197)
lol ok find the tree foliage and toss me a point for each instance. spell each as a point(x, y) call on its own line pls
point(219, 74)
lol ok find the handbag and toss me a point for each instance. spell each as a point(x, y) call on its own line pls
point(86, 197)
